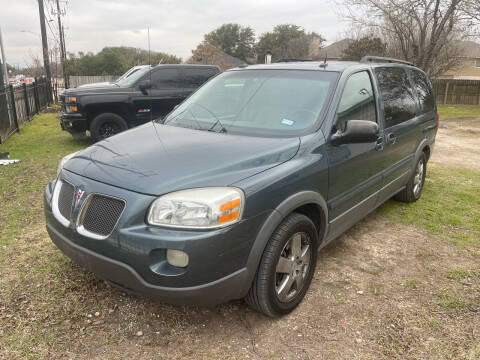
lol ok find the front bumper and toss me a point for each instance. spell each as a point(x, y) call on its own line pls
point(133, 256)
point(126, 278)
point(73, 123)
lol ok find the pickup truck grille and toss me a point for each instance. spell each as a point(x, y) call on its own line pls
point(101, 214)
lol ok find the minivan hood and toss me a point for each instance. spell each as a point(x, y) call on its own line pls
point(156, 159)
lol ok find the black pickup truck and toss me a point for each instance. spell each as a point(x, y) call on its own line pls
point(149, 93)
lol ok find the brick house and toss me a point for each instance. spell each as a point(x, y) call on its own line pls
point(469, 66)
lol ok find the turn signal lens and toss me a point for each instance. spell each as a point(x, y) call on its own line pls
point(72, 99)
point(201, 208)
point(230, 205)
point(228, 217)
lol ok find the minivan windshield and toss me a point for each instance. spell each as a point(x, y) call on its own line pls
point(132, 78)
point(257, 102)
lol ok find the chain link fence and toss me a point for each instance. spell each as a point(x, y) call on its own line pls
point(18, 105)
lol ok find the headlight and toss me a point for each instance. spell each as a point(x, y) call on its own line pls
point(71, 104)
point(71, 108)
point(64, 160)
point(202, 208)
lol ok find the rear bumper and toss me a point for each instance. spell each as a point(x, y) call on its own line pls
point(73, 123)
point(125, 277)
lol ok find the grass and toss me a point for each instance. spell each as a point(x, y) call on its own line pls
point(39, 146)
point(449, 207)
point(458, 111)
point(461, 274)
point(447, 300)
point(45, 298)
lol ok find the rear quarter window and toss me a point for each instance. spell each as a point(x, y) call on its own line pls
point(197, 76)
point(397, 95)
point(424, 91)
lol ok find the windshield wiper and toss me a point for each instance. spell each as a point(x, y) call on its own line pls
point(222, 130)
point(217, 120)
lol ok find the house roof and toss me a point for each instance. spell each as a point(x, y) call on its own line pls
point(335, 50)
point(232, 59)
point(223, 56)
point(468, 49)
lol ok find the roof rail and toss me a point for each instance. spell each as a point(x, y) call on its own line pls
point(367, 59)
point(292, 60)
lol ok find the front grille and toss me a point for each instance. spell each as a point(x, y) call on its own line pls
point(101, 214)
point(65, 199)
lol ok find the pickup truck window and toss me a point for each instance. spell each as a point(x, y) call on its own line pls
point(165, 79)
point(397, 95)
point(194, 77)
point(358, 100)
point(132, 79)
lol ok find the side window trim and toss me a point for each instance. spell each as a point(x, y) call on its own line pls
point(375, 96)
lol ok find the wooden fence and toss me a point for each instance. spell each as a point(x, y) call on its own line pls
point(18, 105)
point(86, 79)
point(464, 92)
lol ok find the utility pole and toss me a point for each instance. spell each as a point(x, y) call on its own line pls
point(63, 55)
point(4, 79)
point(46, 61)
point(4, 62)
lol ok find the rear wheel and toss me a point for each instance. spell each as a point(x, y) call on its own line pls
point(106, 125)
point(413, 190)
point(286, 268)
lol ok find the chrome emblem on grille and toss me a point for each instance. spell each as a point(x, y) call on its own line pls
point(79, 196)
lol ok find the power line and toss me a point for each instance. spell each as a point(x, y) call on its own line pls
point(62, 45)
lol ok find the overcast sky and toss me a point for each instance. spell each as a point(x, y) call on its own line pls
point(176, 26)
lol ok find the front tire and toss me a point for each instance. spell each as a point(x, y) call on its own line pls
point(414, 187)
point(106, 125)
point(286, 268)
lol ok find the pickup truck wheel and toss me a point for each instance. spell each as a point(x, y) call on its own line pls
point(413, 190)
point(106, 125)
point(286, 268)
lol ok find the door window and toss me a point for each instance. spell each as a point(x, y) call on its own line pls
point(165, 79)
point(424, 91)
point(194, 77)
point(358, 100)
point(397, 95)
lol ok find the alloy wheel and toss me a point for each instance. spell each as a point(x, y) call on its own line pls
point(418, 179)
point(293, 266)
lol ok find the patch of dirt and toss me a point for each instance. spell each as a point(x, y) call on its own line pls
point(374, 295)
point(458, 145)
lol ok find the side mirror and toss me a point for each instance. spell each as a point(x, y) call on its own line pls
point(144, 85)
point(357, 132)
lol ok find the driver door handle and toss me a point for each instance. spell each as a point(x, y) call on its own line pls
point(391, 138)
point(379, 144)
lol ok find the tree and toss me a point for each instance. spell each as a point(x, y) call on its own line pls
point(234, 39)
point(209, 54)
point(364, 46)
point(115, 60)
point(289, 41)
point(421, 31)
